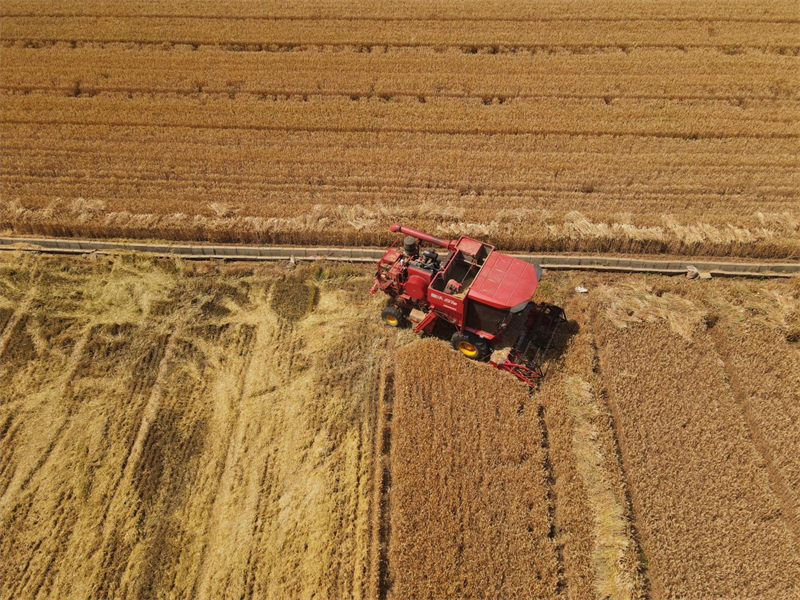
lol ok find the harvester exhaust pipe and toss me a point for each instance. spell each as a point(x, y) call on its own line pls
point(449, 244)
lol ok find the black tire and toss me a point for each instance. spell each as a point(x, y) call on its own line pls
point(471, 346)
point(393, 316)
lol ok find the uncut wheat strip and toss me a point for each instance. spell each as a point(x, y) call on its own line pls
point(463, 457)
point(706, 530)
point(660, 118)
point(338, 227)
point(407, 9)
point(647, 74)
point(412, 144)
point(355, 172)
point(768, 399)
point(709, 187)
point(607, 203)
point(307, 232)
point(593, 514)
point(521, 166)
point(454, 169)
point(418, 33)
point(570, 227)
point(600, 212)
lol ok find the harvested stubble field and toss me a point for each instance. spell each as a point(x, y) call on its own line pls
point(616, 125)
point(196, 430)
point(180, 431)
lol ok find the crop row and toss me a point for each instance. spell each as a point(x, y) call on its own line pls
point(498, 78)
point(659, 118)
point(526, 10)
point(407, 33)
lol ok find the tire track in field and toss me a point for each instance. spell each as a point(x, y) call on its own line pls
point(303, 95)
point(114, 550)
point(380, 583)
point(431, 131)
point(246, 342)
point(552, 499)
point(144, 382)
point(625, 487)
point(10, 325)
point(258, 525)
point(368, 47)
point(9, 428)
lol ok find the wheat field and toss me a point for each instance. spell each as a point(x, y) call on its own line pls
point(616, 125)
point(178, 431)
point(173, 429)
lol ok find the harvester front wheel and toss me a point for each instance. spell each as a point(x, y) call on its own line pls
point(393, 316)
point(470, 346)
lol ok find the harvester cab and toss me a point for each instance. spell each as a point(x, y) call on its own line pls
point(484, 296)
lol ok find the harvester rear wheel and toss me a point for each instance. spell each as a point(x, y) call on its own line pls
point(393, 316)
point(470, 345)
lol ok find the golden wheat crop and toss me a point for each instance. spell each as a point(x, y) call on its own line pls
point(710, 518)
point(623, 126)
point(593, 520)
point(755, 330)
point(469, 498)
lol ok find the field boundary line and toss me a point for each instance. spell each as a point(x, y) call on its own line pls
point(612, 264)
point(474, 131)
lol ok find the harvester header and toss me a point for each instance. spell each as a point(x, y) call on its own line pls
point(483, 296)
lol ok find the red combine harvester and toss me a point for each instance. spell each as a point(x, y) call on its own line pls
point(480, 293)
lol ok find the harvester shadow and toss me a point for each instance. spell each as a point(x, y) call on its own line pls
point(558, 345)
point(562, 339)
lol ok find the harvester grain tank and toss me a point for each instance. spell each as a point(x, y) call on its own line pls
point(484, 296)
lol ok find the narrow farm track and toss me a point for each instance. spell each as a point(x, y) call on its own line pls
point(369, 255)
point(658, 127)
